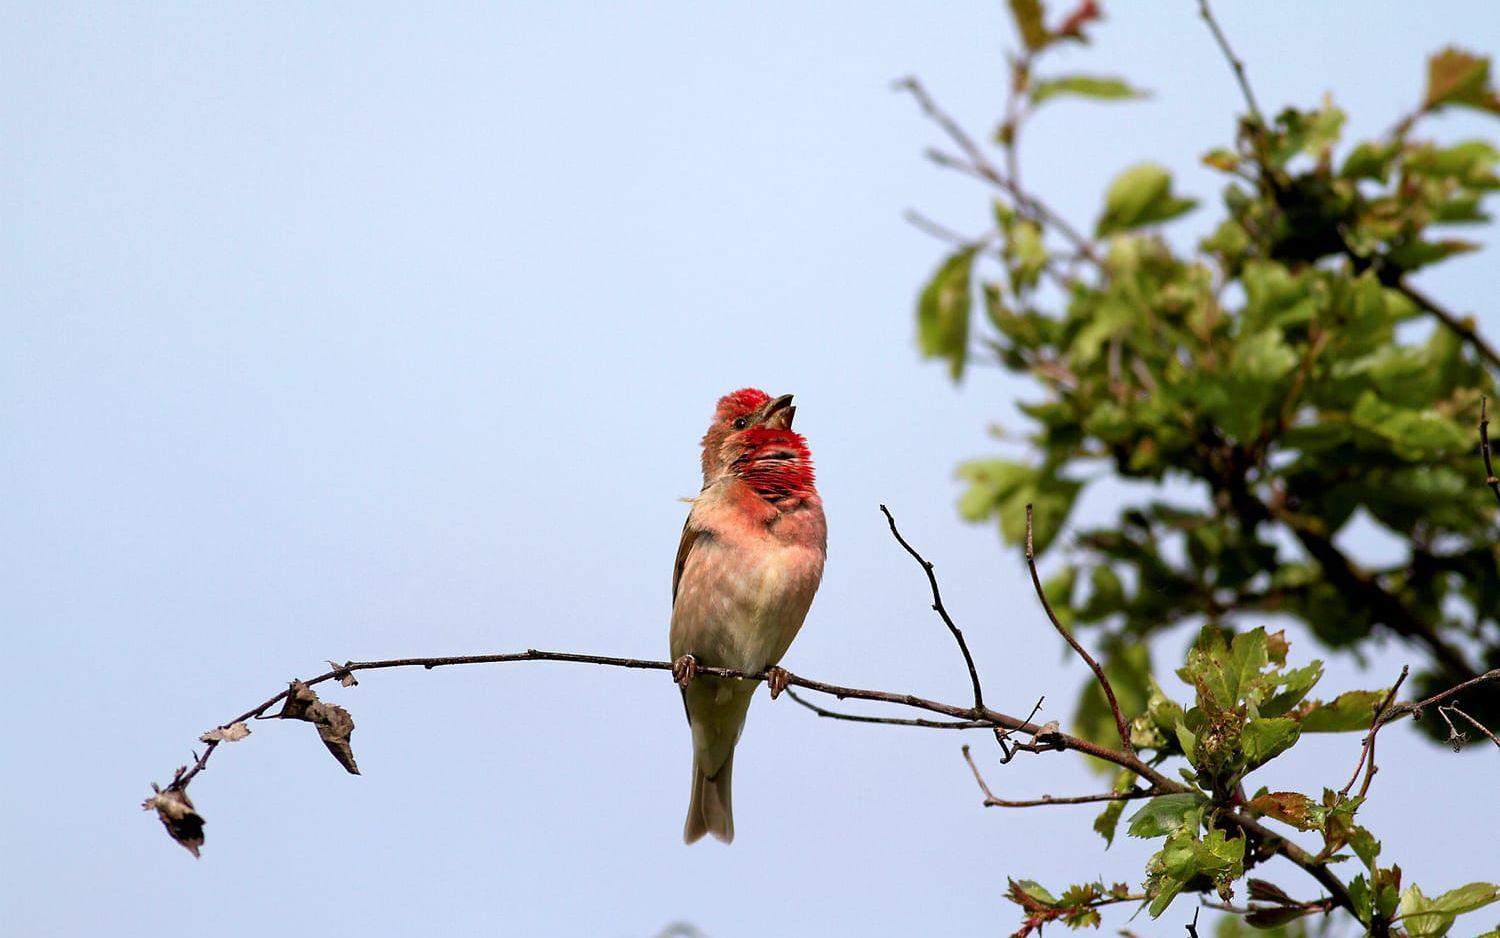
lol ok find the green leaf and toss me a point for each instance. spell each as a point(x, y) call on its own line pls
point(1099, 87)
point(1185, 857)
point(1106, 822)
point(1366, 847)
point(1140, 196)
point(1292, 686)
point(991, 483)
point(1265, 739)
point(1415, 435)
point(1351, 710)
point(1429, 918)
point(1034, 891)
point(1462, 78)
point(1058, 589)
point(1419, 253)
point(1025, 255)
point(1028, 17)
point(1052, 500)
point(1369, 160)
point(943, 312)
point(1165, 814)
point(1468, 898)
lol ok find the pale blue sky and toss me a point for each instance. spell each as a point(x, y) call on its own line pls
point(353, 330)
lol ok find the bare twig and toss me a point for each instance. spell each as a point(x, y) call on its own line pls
point(1234, 61)
point(1192, 928)
point(1359, 587)
point(1416, 707)
point(889, 721)
point(1473, 722)
point(1043, 741)
point(1455, 738)
point(990, 801)
point(938, 230)
point(1484, 447)
point(993, 719)
point(1461, 325)
point(937, 607)
point(1109, 692)
point(976, 163)
point(1367, 751)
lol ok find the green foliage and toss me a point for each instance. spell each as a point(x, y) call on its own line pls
point(943, 313)
point(1278, 369)
point(1098, 87)
point(1285, 371)
point(1140, 196)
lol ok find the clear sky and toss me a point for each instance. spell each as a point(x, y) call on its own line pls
point(361, 330)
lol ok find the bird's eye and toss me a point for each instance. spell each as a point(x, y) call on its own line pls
point(741, 423)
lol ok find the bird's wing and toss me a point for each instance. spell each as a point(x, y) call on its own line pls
point(685, 547)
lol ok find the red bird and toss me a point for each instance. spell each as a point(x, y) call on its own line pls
point(749, 563)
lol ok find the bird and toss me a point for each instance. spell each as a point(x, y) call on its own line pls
point(749, 563)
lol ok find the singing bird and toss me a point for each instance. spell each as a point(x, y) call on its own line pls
point(749, 563)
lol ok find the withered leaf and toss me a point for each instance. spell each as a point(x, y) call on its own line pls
point(334, 723)
point(232, 733)
point(346, 678)
point(178, 816)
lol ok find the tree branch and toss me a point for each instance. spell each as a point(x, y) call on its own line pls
point(1364, 591)
point(1475, 723)
point(1234, 61)
point(984, 716)
point(1484, 447)
point(1367, 751)
point(1461, 326)
point(990, 801)
point(1109, 692)
point(889, 721)
point(937, 607)
point(1415, 708)
point(979, 165)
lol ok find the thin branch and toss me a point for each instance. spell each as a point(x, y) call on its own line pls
point(889, 721)
point(938, 230)
point(1484, 447)
point(1109, 692)
point(1314, 867)
point(1363, 590)
point(937, 607)
point(1234, 61)
point(1476, 724)
point(979, 165)
point(990, 801)
point(1461, 325)
point(1367, 751)
point(1416, 707)
point(993, 719)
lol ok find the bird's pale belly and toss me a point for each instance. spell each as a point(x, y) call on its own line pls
point(744, 615)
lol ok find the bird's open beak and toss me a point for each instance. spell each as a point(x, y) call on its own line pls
point(779, 413)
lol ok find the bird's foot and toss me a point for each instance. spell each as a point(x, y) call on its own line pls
point(683, 670)
point(777, 679)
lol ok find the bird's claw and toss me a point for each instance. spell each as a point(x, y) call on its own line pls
point(683, 670)
point(777, 679)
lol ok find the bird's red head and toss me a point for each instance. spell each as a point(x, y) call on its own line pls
point(751, 436)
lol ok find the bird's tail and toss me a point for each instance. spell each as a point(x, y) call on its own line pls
point(710, 810)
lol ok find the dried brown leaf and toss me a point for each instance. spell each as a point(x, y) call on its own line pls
point(334, 723)
point(178, 816)
point(232, 733)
